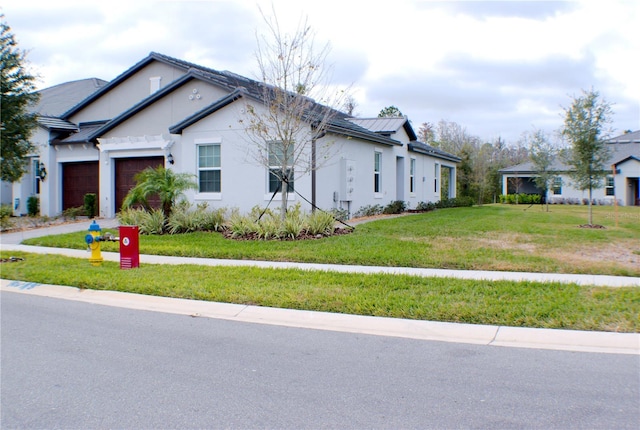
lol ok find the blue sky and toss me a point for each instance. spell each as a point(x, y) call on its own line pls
point(498, 68)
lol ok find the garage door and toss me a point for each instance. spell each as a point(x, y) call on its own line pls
point(78, 179)
point(126, 169)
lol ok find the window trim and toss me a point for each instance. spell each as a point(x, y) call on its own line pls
point(271, 168)
point(556, 186)
point(200, 169)
point(377, 173)
point(412, 175)
point(610, 186)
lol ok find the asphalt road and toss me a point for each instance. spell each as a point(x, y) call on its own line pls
point(69, 364)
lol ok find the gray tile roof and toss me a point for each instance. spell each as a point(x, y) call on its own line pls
point(622, 148)
point(53, 123)
point(56, 100)
point(423, 148)
point(230, 81)
point(83, 135)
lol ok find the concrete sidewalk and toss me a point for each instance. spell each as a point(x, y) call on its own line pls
point(626, 343)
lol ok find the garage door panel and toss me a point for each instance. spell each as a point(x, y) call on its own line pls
point(125, 171)
point(78, 179)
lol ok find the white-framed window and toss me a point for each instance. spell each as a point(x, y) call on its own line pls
point(436, 176)
point(209, 168)
point(610, 186)
point(36, 176)
point(556, 187)
point(412, 175)
point(278, 159)
point(377, 172)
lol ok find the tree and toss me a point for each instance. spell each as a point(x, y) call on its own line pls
point(350, 105)
point(17, 95)
point(542, 153)
point(426, 132)
point(390, 112)
point(286, 124)
point(585, 128)
point(162, 182)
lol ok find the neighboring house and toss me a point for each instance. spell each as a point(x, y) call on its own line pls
point(621, 182)
point(54, 102)
point(168, 112)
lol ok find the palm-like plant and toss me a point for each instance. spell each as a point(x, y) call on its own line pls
point(165, 183)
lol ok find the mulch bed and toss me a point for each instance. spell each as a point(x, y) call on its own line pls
point(228, 234)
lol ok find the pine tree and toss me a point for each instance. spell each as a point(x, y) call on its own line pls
point(17, 95)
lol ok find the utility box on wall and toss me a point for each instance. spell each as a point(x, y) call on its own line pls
point(129, 247)
point(347, 179)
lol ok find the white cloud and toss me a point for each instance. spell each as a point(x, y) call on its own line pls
point(495, 67)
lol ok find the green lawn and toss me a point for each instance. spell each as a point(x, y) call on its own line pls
point(526, 304)
point(493, 237)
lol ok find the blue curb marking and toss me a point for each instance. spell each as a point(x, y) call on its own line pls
point(24, 285)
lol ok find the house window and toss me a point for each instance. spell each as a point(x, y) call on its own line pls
point(412, 175)
point(209, 169)
point(36, 176)
point(557, 185)
point(377, 166)
point(610, 186)
point(278, 159)
point(436, 176)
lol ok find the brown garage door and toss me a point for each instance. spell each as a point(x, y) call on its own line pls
point(126, 169)
point(78, 179)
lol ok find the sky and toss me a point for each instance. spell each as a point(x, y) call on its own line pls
point(497, 68)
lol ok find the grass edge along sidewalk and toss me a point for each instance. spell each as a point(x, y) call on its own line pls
point(502, 303)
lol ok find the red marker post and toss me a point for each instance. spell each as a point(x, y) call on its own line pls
point(129, 247)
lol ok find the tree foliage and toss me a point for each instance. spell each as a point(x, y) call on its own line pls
point(586, 129)
point(164, 183)
point(292, 70)
point(17, 95)
point(542, 153)
point(390, 112)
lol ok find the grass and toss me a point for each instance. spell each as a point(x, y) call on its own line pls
point(527, 304)
point(492, 237)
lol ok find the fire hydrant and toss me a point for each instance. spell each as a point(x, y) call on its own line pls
point(93, 240)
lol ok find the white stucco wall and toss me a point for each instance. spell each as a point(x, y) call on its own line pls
point(128, 93)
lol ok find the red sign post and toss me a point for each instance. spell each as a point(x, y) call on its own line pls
point(129, 247)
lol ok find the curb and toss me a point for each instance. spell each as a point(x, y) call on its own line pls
point(552, 339)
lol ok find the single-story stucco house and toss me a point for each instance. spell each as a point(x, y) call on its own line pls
point(621, 183)
point(169, 112)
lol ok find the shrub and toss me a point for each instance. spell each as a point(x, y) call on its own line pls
point(369, 210)
point(5, 217)
point(72, 213)
point(320, 222)
point(90, 205)
point(425, 207)
point(33, 205)
point(241, 225)
point(153, 222)
point(131, 216)
point(294, 222)
point(340, 214)
point(456, 202)
point(395, 207)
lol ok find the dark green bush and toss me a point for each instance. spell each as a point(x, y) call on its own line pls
point(523, 199)
point(33, 206)
point(90, 205)
point(395, 207)
point(5, 217)
point(456, 202)
point(426, 207)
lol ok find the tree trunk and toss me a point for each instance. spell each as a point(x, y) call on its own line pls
point(283, 193)
point(590, 207)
